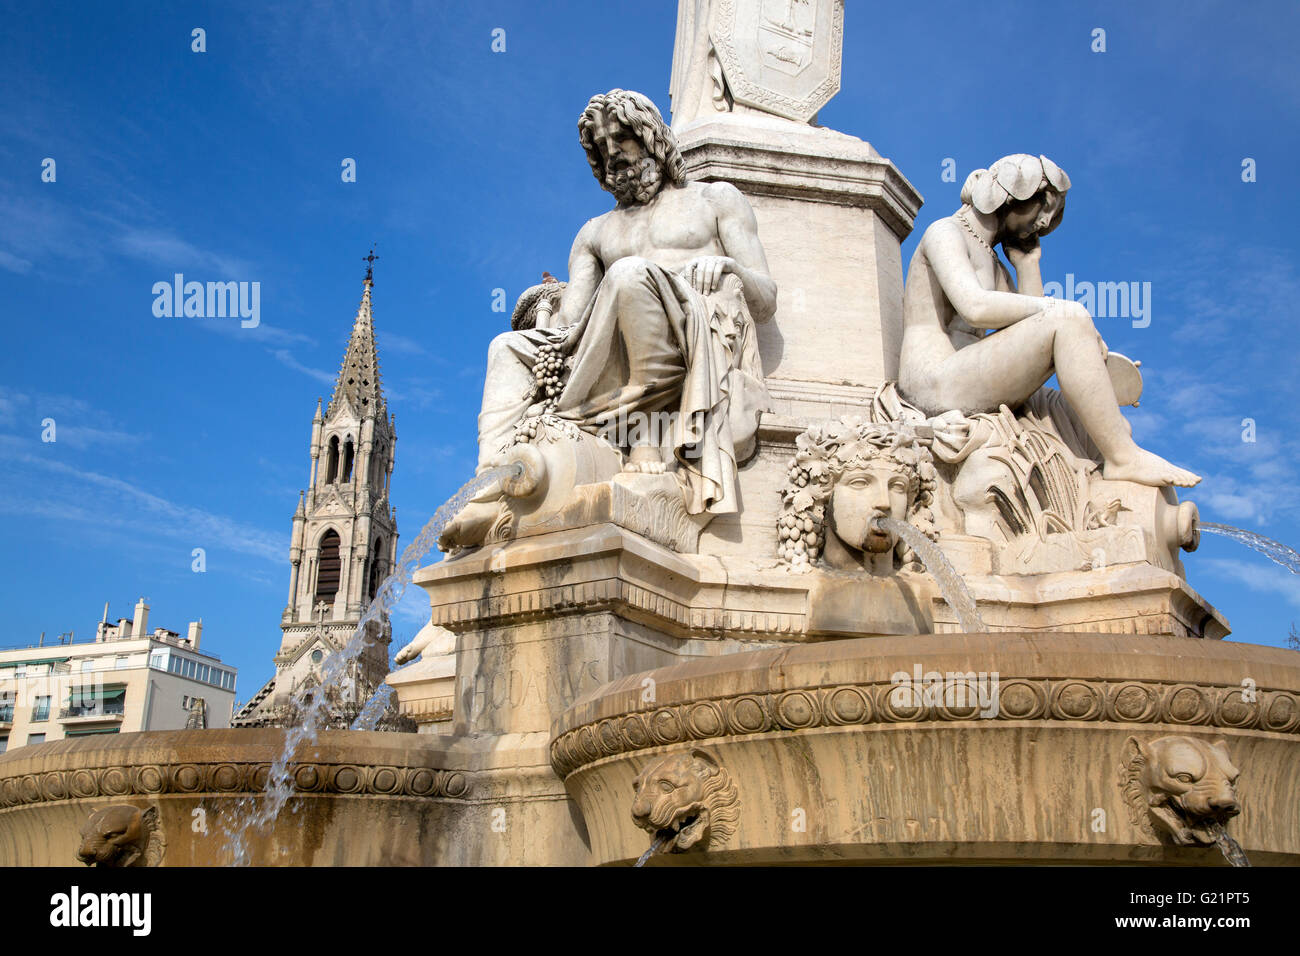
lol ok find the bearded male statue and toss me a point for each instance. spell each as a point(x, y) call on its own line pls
point(656, 321)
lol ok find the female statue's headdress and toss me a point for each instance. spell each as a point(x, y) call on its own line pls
point(1018, 176)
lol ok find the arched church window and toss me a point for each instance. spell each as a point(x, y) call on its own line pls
point(329, 568)
point(377, 567)
point(347, 460)
point(332, 461)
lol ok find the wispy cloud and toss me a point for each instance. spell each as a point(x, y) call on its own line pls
point(264, 333)
point(14, 263)
point(1259, 576)
point(285, 357)
point(76, 423)
point(401, 344)
point(75, 494)
point(169, 251)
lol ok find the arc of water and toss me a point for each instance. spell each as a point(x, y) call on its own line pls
point(1230, 848)
point(260, 811)
point(951, 586)
point(1275, 551)
point(659, 840)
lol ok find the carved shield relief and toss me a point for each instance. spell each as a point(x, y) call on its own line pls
point(781, 56)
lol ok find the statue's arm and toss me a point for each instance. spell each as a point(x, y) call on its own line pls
point(585, 271)
point(945, 250)
point(738, 232)
point(1026, 262)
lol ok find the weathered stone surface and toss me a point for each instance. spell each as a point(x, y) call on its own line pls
point(865, 773)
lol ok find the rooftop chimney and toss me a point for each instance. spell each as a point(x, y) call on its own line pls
point(196, 631)
point(123, 629)
point(140, 627)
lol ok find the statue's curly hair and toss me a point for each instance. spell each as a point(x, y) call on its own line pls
point(641, 116)
point(823, 453)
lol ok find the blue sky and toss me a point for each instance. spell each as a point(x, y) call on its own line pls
point(183, 433)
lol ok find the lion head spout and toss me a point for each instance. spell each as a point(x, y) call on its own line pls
point(1184, 787)
point(119, 836)
point(686, 800)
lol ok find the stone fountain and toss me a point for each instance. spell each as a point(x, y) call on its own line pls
point(789, 560)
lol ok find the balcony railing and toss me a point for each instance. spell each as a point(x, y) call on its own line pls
point(106, 711)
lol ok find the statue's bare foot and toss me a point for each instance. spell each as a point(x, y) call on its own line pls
point(470, 526)
point(645, 460)
point(1148, 469)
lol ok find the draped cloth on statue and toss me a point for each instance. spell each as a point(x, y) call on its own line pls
point(956, 436)
point(649, 343)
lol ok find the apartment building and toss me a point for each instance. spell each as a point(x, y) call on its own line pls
point(127, 679)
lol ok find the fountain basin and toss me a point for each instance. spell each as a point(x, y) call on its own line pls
point(828, 764)
point(363, 798)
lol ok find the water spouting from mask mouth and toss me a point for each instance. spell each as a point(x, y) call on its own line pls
point(257, 813)
point(951, 585)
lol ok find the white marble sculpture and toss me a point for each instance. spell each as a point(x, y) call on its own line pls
point(773, 57)
point(656, 322)
point(844, 475)
point(973, 341)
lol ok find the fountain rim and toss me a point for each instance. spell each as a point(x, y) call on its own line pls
point(788, 689)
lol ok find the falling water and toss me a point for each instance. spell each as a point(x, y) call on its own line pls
point(951, 586)
point(1230, 848)
point(1275, 551)
point(660, 839)
point(374, 709)
point(257, 813)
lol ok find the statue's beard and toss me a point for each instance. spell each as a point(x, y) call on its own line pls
point(636, 182)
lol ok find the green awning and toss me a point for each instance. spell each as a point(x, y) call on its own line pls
point(39, 660)
point(84, 695)
point(87, 733)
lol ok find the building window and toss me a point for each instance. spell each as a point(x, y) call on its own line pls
point(4, 744)
point(332, 461)
point(36, 738)
point(185, 703)
point(41, 709)
point(348, 455)
point(329, 567)
point(6, 710)
point(95, 702)
point(376, 567)
point(158, 660)
point(122, 663)
point(317, 656)
point(87, 666)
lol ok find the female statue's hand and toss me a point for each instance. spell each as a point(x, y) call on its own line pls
point(1028, 250)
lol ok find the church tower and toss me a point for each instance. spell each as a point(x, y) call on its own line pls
point(344, 540)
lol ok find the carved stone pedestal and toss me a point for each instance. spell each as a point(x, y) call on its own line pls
point(832, 213)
